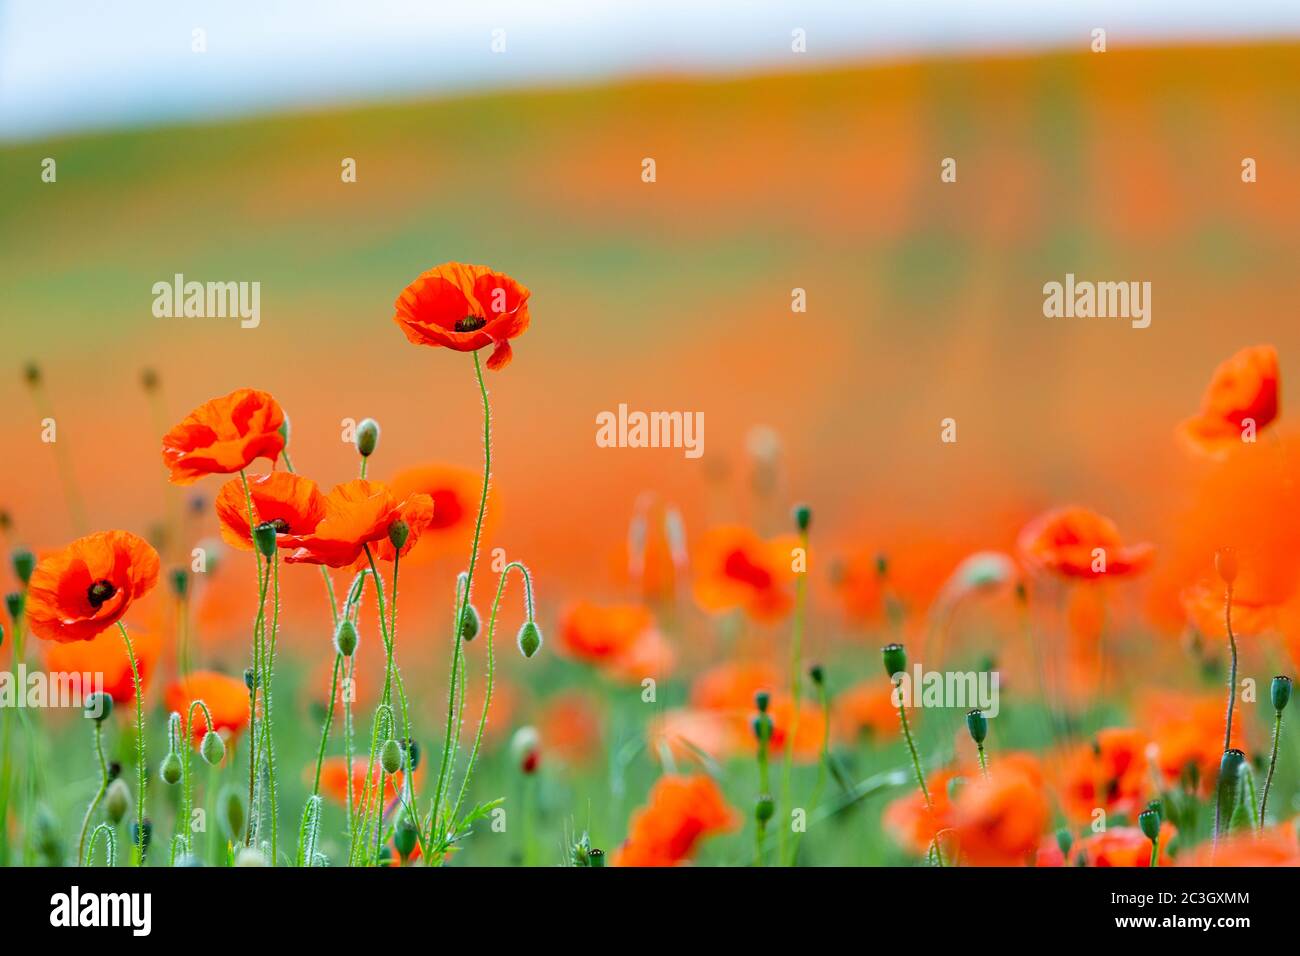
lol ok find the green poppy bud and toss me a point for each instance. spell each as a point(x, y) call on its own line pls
point(345, 638)
point(181, 582)
point(978, 725)
point(405, 836)
point(762, 725)
point(390, 757)
point(818, 674)
point(1149, 822)
point(231, 804)
point(1064, 840)
point(264, 537)
point(171, 768)
point(764, 808)
point(761, 700)
point(14, 604)
point(895, 658)
point(802, 517)
point(470, 623)
point(398, 532)
point(250, 678)
point(213, 748)
point(24, 563)
point(367, 437)
point(529, 639)
point(117, 801)
point(97, 706)
point(1281, 691)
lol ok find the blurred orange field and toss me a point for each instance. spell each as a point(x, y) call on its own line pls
point(924, 322)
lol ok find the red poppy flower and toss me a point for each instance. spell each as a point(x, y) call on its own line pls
point(85, 588)
point(1076, 542)
point(224, 436)
point(465, 308)
point(681, 811)
point(226, 697)
point(1244, 387)
point(999, 820)
point(360, 513)
point(293, 504)
point(1122, 846)
point(1110, 772)
point(106, 656)
point(735, 568)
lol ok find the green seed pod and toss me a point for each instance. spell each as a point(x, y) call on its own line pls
point(390, 757)
point(818, 674)
point(529, 639)
point(213, 748)
point(762, 726)
point(764, 808)
point(171, 768)
point(470, 623)
point(398, 532)
point(761, 700)
point(367, 437)
point(895, 658)
point(1230, 768)
point(117, 801)
point(802, 517)
point(1281, 691)
point(97, 706)
point(978, 725)
point(14, 604)
point(405, 836)
point(1149, 822)
point(24, 563)
point(345, 638)
point(264, 536)
point(596, 858)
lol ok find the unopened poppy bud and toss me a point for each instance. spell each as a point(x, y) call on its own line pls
point(1225, 562)
point(895, 658)
point(390, 757)
point(367, 437)
point(1281, 691)
point(761, 700)
point(24, 563)
point(802, 517)
point(97, 706)
point(180, 582)
point(14, 604)
point(264, 536)
point(764, 808)
point(398, 532)
point(470, 622)
point(524, 746)
point(117, 801)
point(231, 803)
point(978, 725)
point(171, 768)
point(213, 748)
point(404, 836)
point(1149, 822)
point(818, 674)
point(529, 639)
point(345, 638)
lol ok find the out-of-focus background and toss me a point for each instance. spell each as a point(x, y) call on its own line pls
point(775, 170)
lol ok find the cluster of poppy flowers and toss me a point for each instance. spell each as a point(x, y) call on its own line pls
point(743, 707)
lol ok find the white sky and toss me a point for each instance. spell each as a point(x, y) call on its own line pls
point(76, 64)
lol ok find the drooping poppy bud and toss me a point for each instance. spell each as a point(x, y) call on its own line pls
point(345, 638)
point(405, 836)
point(390, 757)
point(213, 748)
point(24, 563)
point(529, 639)
point(367, 437)
point(117, 801)
point(171, 768)
point(895, 658)
point(470, 623)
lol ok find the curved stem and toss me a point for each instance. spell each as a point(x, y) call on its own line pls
point(139, 742)
point(103, 788)
point(1272, 766)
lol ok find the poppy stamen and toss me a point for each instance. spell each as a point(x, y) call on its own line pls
point(99, 592)
point(471, 323)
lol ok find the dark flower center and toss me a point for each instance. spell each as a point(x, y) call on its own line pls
point(470, 323)
point(99, 592)
point(280, 525)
